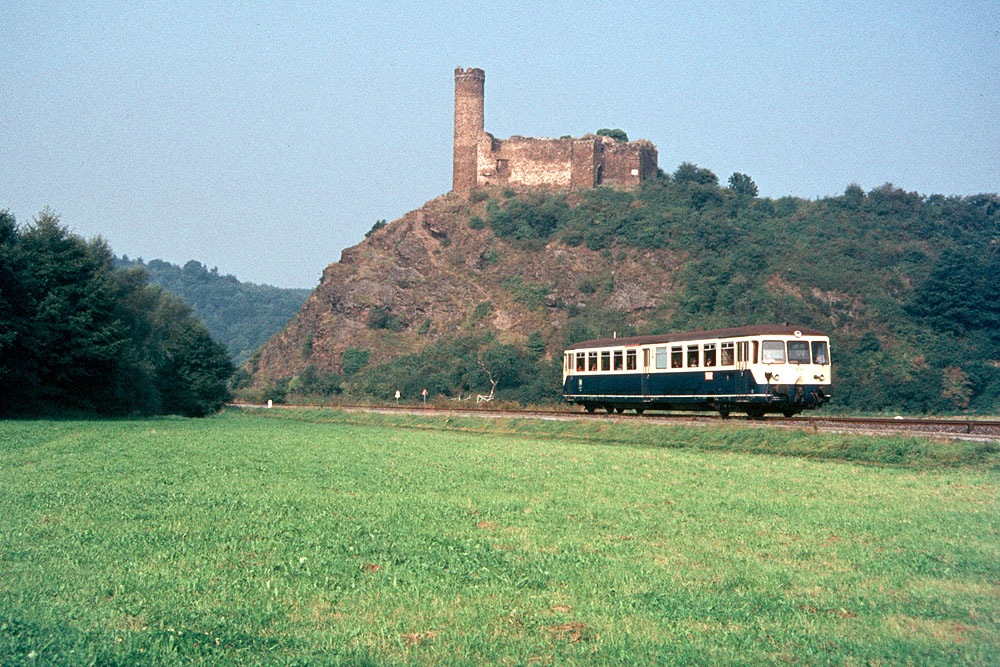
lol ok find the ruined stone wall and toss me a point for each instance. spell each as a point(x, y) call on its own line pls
point(481, 160)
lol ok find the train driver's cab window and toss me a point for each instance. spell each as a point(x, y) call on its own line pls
point(581, 361)
point(606, 360)
point(677, 357)
point(820, 353)
point(772, 352)
point(591, 361)
point(709, 354)
point(727, 356)
point(756, 346)
point(661, 357)
point(692, 356)
point(618, 360)
point(630, 360)
point(798, 352)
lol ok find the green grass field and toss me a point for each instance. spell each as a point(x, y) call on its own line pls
point(327, 538)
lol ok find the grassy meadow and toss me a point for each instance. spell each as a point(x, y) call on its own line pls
point(324, 537)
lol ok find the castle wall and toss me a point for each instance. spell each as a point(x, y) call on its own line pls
point(628, 163)
point(481, 160)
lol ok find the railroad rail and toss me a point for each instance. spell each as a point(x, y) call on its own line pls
point(970, 429)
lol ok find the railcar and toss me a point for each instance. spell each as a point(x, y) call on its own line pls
point(754, 369)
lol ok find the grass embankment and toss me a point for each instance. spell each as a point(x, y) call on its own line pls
point(728, 436)
point(250, 539)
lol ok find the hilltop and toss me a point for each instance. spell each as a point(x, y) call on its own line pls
point(493, 283)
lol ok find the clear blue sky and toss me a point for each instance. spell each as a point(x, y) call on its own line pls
point(265, 138)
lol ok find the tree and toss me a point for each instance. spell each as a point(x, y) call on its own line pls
point(616, 134)
point(742, 185)
point(77, 334)
point(692, 173)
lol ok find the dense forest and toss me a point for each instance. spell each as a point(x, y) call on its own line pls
point(241, 316)
point(907, 285)
point(76, 334)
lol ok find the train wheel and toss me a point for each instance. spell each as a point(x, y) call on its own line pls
point(789, 413)
point(619, 409)
point(610, 408)
point(755, 413)
point(589, 408)
point(639, 411)
point(724, 413)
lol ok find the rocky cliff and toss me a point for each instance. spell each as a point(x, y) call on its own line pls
point(432, 274)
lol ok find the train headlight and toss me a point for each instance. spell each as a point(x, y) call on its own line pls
point(821, 378)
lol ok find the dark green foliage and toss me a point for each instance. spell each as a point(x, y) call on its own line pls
point(526, 292)
point(961, 294)
point(476, 196)
point(616, 134)
point(383, 318)
point(240, 316)
point(353, 360)
point(80, 335)
point(530, 218)
point(693, 174)
point(311, 381)
point(475, 222)
point(535, 345)
point(379, 224)
point(742, 185)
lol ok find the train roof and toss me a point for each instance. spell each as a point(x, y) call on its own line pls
point(732, 332)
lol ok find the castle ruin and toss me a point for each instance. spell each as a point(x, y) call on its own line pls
point(481, 160)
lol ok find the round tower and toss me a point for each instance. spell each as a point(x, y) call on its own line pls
point(468, 126)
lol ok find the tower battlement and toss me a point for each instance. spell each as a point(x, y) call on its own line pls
point(481, 160)
point(470, 73)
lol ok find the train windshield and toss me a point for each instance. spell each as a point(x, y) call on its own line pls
point(773, 352)
point(820, 353)
point(798, 352)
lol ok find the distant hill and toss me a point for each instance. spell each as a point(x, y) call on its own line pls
point(495, 283)
point(241, 316)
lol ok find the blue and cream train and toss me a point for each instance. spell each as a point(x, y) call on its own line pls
point(755, 369)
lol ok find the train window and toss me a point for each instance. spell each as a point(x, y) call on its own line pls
point(592, 361)
point(661, 357)
point(630, 360)
point(709, 354)
point(773, 352)
point(756, 345)
point(692, 356)
point(606, 360)
point(798, 352)
point(741, 351)
point(581, 361)
point(618, 360)
point(820, 353)
point(677, 357)
point(645, 358)
point(727, 357)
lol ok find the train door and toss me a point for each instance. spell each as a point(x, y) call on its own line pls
point(742, 364)
point(645, 371)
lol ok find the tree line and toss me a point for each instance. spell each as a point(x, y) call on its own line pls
point(76, 334)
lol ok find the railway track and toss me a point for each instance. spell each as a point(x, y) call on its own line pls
point(948, 428)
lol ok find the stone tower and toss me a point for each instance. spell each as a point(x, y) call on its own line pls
point(468, 126)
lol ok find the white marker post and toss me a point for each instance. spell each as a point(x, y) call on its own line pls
point(397, 397)
point(424, 394)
